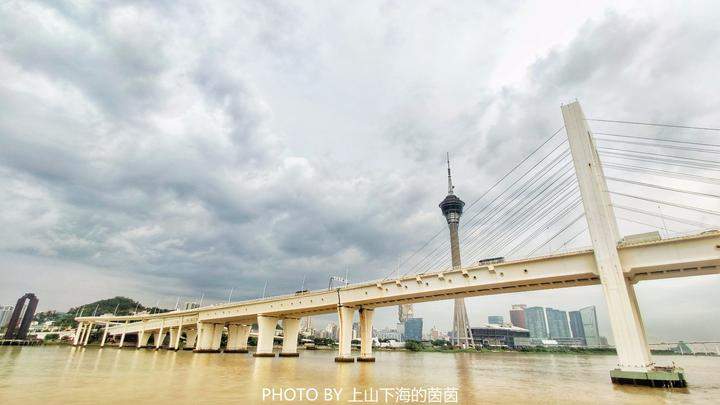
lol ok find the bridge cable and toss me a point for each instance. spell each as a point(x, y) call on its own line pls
point(640, 183)
point(518, 227)
point(500, 180)
point(490, 232)
point(654, 124)
point(652, 200)
point(700, 225)
point(432, 259)
point(558, 233)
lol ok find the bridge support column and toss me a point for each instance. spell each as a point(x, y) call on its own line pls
point(78, 333)
point(87, 334)
point(176, 341)
point(190, 339)
point(105, 333)
point(635, 365)
point(345, 315)
point(366, 318)
point(122, 336)
point(237, 338)
point(209, 337)
point(160, 337)
point(143, 336)
point(173, 338)
point(266, 336)
point(291, 328)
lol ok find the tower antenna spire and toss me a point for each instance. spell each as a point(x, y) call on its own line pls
point(450, 185)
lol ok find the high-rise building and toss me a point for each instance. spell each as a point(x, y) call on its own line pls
point(434, 333)
point(576, 325)
point(495, 320)
point(5, 314)
point(452, 209)
point(21, 317)
point(517, 315)
point(413, 329)
point(535, 322)
point(557, 323)
point(590, 326)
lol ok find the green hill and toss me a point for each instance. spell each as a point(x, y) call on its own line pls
point(117, 306)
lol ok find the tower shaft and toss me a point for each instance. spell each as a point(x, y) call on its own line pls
point(454, 245)
point(462, 335)
point(452, 209)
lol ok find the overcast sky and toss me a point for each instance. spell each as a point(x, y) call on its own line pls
point(157, 149)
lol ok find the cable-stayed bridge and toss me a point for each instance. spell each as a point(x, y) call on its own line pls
point(533, 222)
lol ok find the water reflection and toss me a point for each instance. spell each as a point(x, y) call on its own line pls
point(62, 374)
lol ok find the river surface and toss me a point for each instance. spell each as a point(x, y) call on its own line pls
point(63, 374)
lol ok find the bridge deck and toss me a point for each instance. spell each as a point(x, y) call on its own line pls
point(676, 257)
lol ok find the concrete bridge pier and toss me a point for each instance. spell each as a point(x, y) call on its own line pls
point(291, 328)
point(159, 337)
point(87, 334)
point(266, 335)
point(173, 338)
point(345, 315)
point(190, 339)
point(105, 333)
point(366, 317)
point(209, 337)
point(78, 333)
point(143, 339)
point(157, 340)
point(122, 335)
point(237, 338)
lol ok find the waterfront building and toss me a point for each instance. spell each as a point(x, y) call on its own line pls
point(590, 326)
point(517, 315)
point(389, 334)
point(576, 324)
point(535, 322)
point(413, 329)
point(493, 335)
point(495, 320)
point(5, 314)
point(22, 317)
point(557, 323)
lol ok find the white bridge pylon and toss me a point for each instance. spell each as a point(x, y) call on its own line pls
point(613, 262)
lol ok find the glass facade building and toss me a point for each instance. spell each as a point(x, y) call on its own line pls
point(590, 326)
point(557, 323)
point(535, 322)
point(576, 325)
point(413, 329)
point(517, 316)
